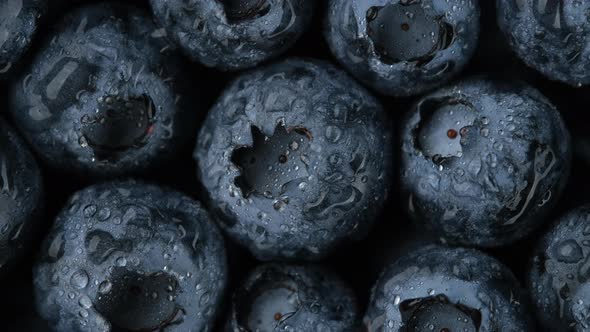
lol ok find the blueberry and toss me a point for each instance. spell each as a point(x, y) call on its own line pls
point(21, 197)
point(296, 158)
point(127, 256)
point(293, 298)
point(483, 162)
point(19, 20)
point(103, 96)
point(444, 289)
point(234, 34)
point(550, 36)
point(403, 47)
point(558, 278)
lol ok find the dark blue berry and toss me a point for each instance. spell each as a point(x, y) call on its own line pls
point(558, 279)
point(443, 289)
point(403, 47)
point(104, 96)
point(233, 34)
point(550, 36)
point(483, 162)
point(296, 158)
point(21, 198)
point(127, 256)
point(293, 298)
point(19, 20)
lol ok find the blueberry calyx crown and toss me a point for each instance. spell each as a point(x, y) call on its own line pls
point(444, 128)
point(438, 313)
point(272, 164)
point(243, 10)
point(119, 124)
point(405, 32)
point(139, 302)
point(268, 305)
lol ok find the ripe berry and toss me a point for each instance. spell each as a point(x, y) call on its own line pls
point(296, 158)
point(104, 96)
point(403, 47)
point(21, 198)
point(444, 289)
point(483, 162)
point(19, 21)
point(233, 34)
point(293, 298)
point(550, 36)
point(558, 279)
point(127, 256)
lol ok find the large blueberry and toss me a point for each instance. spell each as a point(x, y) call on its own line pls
point(483, 162)
point(280, 297)
point(560, 271)
point(552, 36)
point(403, 47)
point(21, 197)
point(234, 34)
point(446, 290)
point(296, 158)
point(19, 20)
point(127, 256)
point(105, 95)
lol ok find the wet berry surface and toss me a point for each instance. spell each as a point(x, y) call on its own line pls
point(411, 165)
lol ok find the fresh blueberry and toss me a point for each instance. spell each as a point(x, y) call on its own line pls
point(551, 36)
point(19, 20)
point(443, 289)
point(483, 162)
point(127, 256)
point(104, 96)
point(21, 197)
point(296, 158)
point(234, 34)
point(559, 274)
point(403, 47)
point(293, 298)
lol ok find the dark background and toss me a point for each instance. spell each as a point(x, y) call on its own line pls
point(358, 263)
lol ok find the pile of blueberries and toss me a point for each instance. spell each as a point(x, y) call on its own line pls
point(294, 165)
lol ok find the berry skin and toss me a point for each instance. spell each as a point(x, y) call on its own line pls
point(444, 289)
point(281, 297)
point(296, 158)
point(558, 278)
point(126, 256)
point(551, 36)
point(483, 162)
point(233, 34)
point(403, 47)
point(104, 97)
point(19, 20)
point(21, 198)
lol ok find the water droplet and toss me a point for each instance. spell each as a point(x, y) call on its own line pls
point(79, 279)
point(89, 210)
point(569, 251)
point(105, 287)
point(85, 302)
point(121, 261)
point(104, 214)
point(83, 313)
